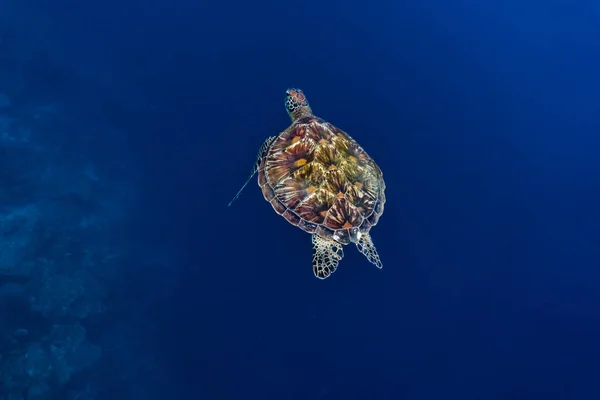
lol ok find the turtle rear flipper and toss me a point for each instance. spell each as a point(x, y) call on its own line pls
point(261, 153)
point(365, 245)
point(326, 255)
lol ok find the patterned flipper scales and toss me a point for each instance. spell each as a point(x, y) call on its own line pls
point(261, 153)
point(326, 256)
point(365, 245)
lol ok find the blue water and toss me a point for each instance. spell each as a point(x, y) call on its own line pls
point(127, 126)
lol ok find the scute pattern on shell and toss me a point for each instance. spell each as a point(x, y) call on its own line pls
point(322, 181)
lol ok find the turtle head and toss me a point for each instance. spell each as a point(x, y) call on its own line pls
point(296, 103)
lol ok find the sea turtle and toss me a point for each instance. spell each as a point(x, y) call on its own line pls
point(320, 180)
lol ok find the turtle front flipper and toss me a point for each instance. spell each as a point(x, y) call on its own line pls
point(261, 153)
point(327, 254)
point(365, 245)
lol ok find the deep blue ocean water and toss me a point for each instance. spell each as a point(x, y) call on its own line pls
point(127, 126)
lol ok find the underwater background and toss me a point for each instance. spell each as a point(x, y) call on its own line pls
point(127, 126)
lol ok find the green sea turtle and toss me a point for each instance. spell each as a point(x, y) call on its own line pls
point(320, 180)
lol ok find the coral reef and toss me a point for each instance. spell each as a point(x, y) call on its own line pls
point(58, 256)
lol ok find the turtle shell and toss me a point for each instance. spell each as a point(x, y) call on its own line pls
point(319, 179)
